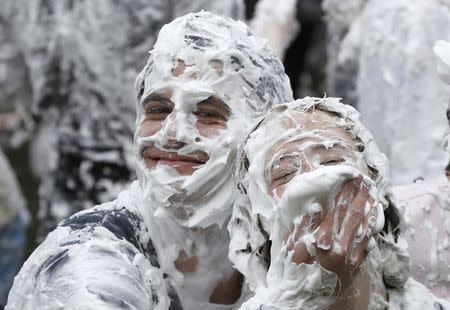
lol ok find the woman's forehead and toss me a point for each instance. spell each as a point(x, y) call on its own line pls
point(312, 119)
point(298, 129)
point(313, 125)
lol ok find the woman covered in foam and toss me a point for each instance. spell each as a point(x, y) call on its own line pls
point(294, 234)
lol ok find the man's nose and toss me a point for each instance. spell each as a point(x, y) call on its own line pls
point(176, 126)
point(174, 144)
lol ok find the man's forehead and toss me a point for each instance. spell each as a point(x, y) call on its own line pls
point(223, 56)
point(193, 80)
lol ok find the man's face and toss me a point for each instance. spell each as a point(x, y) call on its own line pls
point(210, 116)
point(205, 81)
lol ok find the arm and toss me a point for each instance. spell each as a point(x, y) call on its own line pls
point(93, 260)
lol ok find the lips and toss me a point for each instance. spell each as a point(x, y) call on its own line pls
point(170, 158)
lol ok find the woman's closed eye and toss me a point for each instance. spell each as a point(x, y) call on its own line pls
point(283, 175)
point(331, 160)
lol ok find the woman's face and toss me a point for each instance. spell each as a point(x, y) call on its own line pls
point(320, 142)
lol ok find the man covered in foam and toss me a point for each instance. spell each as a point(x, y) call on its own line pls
point(71, 65)
point(315, 227)
point(163, 243)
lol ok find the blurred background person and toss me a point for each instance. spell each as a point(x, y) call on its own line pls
point(14, 216)
point(13, 222)
point(381, 60)
point(426, 206)
point(296, 31)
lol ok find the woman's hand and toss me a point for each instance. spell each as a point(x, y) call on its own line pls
point(341, 236)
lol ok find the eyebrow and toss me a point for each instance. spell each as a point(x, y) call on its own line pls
point(322, 146)
point(291, 153)
point(284, 157)
point(216, 102)
point(155, 97)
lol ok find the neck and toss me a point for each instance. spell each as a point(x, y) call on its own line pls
point(357, 296)
point(204, 255)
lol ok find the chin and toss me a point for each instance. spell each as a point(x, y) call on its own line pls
point(185, 171)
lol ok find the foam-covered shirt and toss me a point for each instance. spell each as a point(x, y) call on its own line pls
point(426, 205)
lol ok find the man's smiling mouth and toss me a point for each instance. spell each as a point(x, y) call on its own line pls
point(156, 156)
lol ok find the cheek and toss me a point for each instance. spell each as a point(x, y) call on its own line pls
point(149, 128)
point(210, 130)
point(276, 190)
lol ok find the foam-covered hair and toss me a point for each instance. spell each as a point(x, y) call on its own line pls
point(376, 161)
point(203, 39)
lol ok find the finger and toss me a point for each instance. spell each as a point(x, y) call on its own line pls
point(297, 230)
point(316, 219)
point(301, 254)
point(344, 199)
point(363, 228)
point(359, 251)
point(376, 218)
point(353, 218)
point(324, 235)
point(334, 218)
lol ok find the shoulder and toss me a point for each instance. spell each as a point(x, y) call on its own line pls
point(119, 220)
point(435, 190)
point(415, 296)
point(92, 247)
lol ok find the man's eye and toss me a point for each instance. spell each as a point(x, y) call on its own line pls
point(157, 111)
point(210, 117)
point(331, 161)
point(212, 110)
